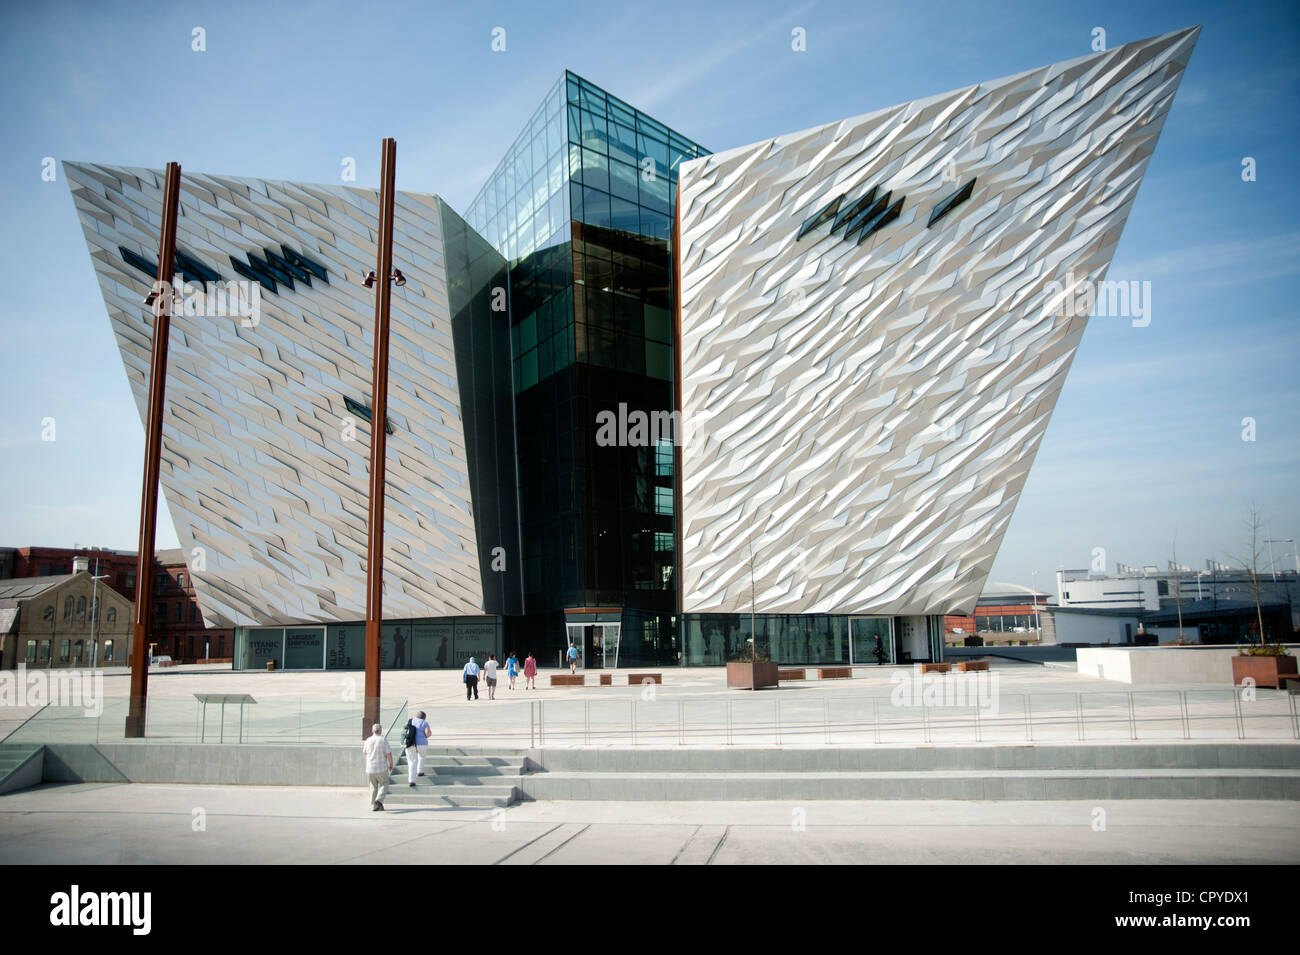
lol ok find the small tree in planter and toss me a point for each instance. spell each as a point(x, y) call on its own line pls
point(1265, 662)
point(751, 670)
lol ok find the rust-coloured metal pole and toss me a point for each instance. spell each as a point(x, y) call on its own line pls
point(162, 310)
point(378, 432)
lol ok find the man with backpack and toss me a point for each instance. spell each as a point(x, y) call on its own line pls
point(415, 739)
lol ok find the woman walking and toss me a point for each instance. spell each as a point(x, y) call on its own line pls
point(512, 668)
point(530, 672)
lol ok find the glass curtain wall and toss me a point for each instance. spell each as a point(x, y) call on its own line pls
point(582, 208)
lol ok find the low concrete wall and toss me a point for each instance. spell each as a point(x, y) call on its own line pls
point(1166, 664)
point(1029, 757)
point(209, 763)
point(303, 765)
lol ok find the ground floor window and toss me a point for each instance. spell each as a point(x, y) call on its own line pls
point(108, 650)
point(808, 639)
point(45, 651)
point(422, 644)
point(31, 651)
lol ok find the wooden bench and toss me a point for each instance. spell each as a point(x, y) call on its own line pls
point(636, 679)
point(936, 667)
point(1289, 682)
point(792, 674)
point(969, 666)
point(607, 679)
point(835, 673)
point(568, 679)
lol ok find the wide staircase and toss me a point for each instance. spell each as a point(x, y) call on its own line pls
point(463, 778)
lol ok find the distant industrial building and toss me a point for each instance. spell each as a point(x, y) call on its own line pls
point(1142, 605)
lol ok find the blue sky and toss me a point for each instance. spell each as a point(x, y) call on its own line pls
point(1146, 441)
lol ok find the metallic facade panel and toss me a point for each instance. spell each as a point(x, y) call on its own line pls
point(864, 415)
point(260, 468)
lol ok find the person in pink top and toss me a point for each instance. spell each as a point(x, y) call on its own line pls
point(530, 672)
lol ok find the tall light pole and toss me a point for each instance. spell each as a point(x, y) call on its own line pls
point(386, 276)
point(94, 611)
point(161, 300)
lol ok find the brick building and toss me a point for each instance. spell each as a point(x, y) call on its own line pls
point(178, 627)
point(63, 620)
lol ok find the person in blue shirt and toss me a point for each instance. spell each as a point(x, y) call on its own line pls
point(470, 676)
point(512, 668)
point(573, 658)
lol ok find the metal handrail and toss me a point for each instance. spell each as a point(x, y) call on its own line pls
point(392, 725)
point(1069, 709)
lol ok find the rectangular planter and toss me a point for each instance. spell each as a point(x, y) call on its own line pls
point(752, 676)
point(1263, 670)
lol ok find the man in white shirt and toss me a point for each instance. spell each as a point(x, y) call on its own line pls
point(490, 675)
point(415, 754)
point(379, 766)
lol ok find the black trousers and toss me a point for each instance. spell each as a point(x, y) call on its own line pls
point(471, 687)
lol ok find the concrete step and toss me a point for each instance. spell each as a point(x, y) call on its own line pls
point(488, 771)
point(465, 767)
point(485, 763)
point(455, 779)
point(464, 751)
point(464, 797)
point(933, 784)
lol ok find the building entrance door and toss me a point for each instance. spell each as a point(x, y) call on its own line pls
point(872, 641)
point(597, 644)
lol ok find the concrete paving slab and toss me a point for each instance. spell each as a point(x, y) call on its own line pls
point(115, 824)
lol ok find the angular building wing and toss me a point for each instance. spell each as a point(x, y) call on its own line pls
point(266, 430)
point(877, 316)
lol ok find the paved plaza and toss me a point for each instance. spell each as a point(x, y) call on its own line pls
point(1012, 703)
point(155, 822)
point(116, 824)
